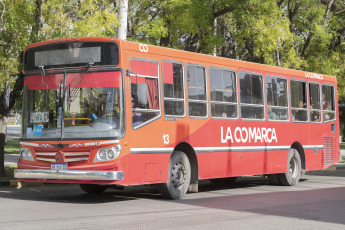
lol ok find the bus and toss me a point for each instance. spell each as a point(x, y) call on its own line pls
point(103, 112)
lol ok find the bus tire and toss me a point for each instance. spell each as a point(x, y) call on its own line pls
point(294, 169)
point(179, 176)
point(227, 180)
point(92, 188)
point(274, 179)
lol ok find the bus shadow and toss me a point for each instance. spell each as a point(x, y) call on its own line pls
point(58, 193)
point(70, 193)
point(65, 193)
point(322, 205)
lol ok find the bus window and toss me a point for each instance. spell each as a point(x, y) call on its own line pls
point(328, 102)
point(251, 96)
point(299, 111)
point(173, 89)
point(144, 91)
point(223, 93)
point(314, 101)
point(196, 82)
point(277, 98)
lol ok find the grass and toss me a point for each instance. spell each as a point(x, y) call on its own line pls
point(12, 146)
point(9, 170)
point(342, 145)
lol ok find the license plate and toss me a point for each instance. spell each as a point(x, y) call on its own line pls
point(58, 166)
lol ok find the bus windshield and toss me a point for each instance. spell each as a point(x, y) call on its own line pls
point(95, 110)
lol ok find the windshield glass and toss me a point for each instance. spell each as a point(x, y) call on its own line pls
point(95, 110)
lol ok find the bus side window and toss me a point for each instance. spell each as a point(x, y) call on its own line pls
point(251, 96)
point(144, 91)
point(328, 105)
point(173, 86)
point(298, 95)
point(314, 103)
point(277, 98)
point(223, 93)
point(197, 98)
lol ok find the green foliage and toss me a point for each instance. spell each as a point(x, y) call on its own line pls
point(28, 21)
point(86, 18)
point(12, 146)
point(306, 34)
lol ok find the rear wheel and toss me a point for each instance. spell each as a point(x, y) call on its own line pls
point(294, 169)
point(92, 188)
point(179, 176)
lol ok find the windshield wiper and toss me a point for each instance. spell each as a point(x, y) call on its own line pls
point(75, 90)
point(44, 76)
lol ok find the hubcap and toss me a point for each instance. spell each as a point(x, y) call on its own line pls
point(293, 169)
point(178, 175)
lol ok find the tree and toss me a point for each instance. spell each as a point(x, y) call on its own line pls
point(305, 34)
point(30, 21)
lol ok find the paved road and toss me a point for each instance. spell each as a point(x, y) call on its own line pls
point(13, 131)
point(316, 203)
point(11, 159)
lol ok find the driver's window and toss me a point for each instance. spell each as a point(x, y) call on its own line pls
point(144, 92)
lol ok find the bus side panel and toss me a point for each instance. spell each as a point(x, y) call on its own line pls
point(149, 168)
point(313, 157)
point(231, 164)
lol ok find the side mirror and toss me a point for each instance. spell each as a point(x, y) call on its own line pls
point(7, 96)
point(8, 92)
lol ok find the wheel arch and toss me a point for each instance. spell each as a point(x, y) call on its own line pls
point(296, 145)
point(191, 154)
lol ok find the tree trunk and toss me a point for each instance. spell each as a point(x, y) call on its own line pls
point(2, 154)
point(3, 124)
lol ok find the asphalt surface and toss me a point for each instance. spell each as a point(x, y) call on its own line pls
point(13, 131)
point(317, 202)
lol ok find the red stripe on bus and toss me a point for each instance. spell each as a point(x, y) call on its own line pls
point(101, 79)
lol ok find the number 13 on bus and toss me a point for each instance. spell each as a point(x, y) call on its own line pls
point(101, 112)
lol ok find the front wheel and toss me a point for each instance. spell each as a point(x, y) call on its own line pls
point(179, 176)
point(294, 169)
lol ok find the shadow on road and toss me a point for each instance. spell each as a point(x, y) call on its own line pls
point(324, 205)
point(320, 204)
point(71, 193)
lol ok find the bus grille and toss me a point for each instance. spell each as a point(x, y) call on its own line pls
point(327, 151)
point(69, 156)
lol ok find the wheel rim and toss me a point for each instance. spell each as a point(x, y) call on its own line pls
point(293, 169)
point(178, 175)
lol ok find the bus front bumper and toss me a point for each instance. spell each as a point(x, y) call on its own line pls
point(68, 174)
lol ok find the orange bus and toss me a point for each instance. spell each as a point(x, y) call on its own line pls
point(101, 112)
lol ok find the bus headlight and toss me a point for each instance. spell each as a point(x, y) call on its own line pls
point(26, 154)
point(108, 154)
point(111, 154)
point(103, 154)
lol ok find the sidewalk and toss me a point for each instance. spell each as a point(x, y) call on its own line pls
point(13, 131)
point(10, 159)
